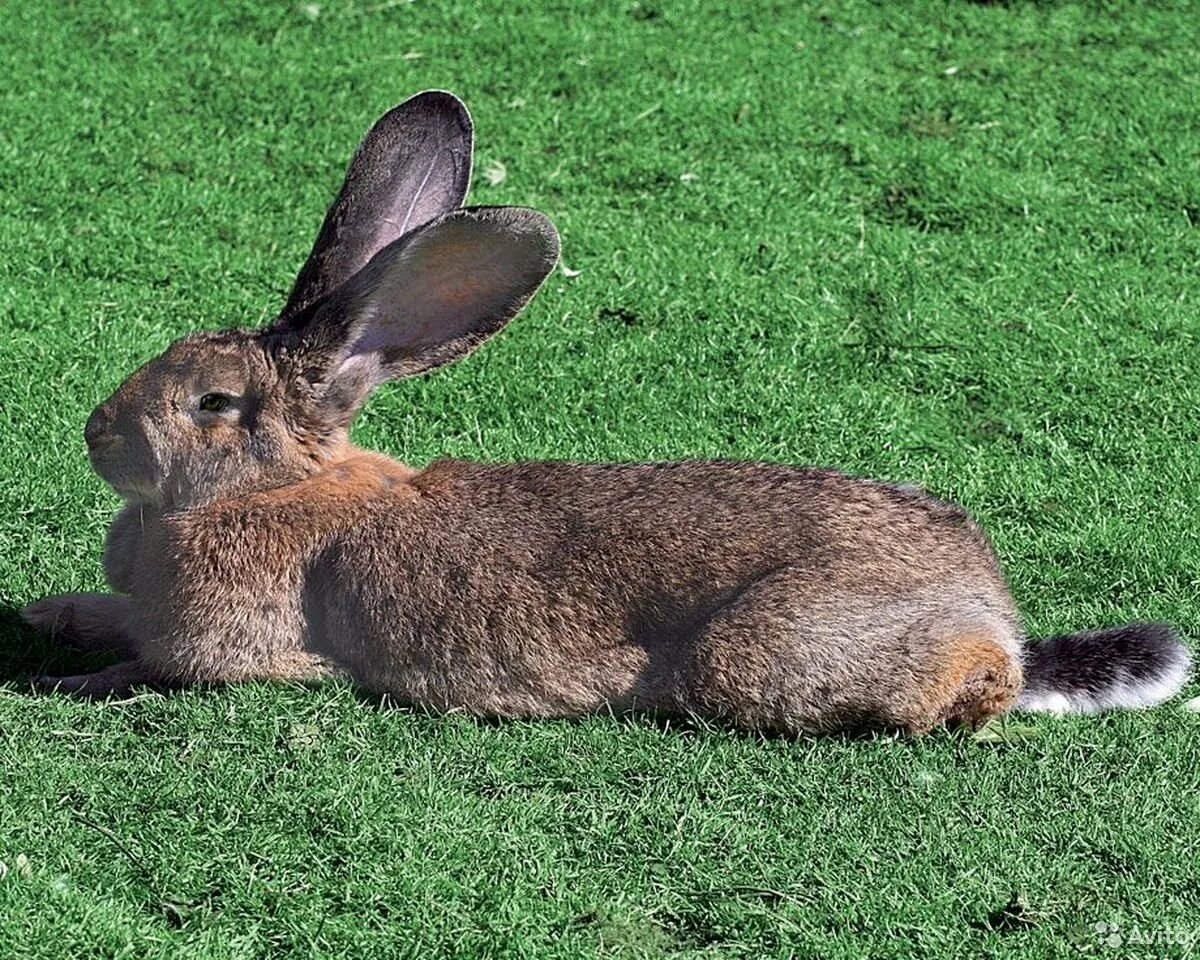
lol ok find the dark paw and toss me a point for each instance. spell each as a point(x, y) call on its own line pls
point(51, 616)
point(115, 681)
point(55, 617)
point(78, 622)
point(71, 685)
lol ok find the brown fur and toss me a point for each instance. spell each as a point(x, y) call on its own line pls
point(258, 543)
point(740, 591)
point(978, 680)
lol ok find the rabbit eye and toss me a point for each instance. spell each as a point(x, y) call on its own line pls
point(214, 402)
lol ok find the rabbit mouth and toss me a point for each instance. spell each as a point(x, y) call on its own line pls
point(132, 492)
point(109, 469)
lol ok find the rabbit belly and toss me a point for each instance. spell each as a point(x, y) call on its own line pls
point(487, 673)
point(426, 640)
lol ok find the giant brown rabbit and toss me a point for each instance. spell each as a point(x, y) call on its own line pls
point(257, 542)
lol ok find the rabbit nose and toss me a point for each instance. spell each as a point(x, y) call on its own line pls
point(96, 431)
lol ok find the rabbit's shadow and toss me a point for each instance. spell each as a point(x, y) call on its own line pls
point(665, 722)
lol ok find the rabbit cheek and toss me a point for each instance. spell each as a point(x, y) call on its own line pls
point(218, 461)
point(187, 459)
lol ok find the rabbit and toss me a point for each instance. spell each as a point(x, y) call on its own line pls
point(258, 543)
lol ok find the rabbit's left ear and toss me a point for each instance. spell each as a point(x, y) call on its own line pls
point(412, 167)
point(427, 300)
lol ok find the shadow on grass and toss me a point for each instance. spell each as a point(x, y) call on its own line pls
point(686, 724)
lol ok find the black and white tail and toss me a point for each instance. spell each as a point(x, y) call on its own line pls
point(1130, 667)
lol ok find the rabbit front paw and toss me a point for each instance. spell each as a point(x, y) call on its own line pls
point(115, 681)
point(85, 622)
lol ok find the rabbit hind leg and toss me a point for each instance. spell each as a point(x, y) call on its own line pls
point(775, 660)
point(977, 677)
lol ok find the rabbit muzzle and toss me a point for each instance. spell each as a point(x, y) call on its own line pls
point(122, 458)
point(98, 433)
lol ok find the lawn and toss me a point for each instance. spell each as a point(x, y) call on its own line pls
point(952, 244)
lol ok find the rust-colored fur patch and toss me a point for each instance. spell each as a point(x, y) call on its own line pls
point(979, 679)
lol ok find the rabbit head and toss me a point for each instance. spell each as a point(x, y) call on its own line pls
point(399, 282)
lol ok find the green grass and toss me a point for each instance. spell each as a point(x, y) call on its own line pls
point(950, 244)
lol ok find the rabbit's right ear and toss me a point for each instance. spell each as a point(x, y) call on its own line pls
point(412, 167)
point(425, 301)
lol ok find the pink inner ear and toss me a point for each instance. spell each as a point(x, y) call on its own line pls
point(430, 197)
point(415, 333)
point(434, 293)
point(364, 365)
point(428, 300)
point(373, 340)
point(436, 196)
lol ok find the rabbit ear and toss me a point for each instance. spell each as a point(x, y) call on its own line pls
point(413, 166)
point(428, 299)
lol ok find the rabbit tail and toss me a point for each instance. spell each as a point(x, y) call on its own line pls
point(1132, 667)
